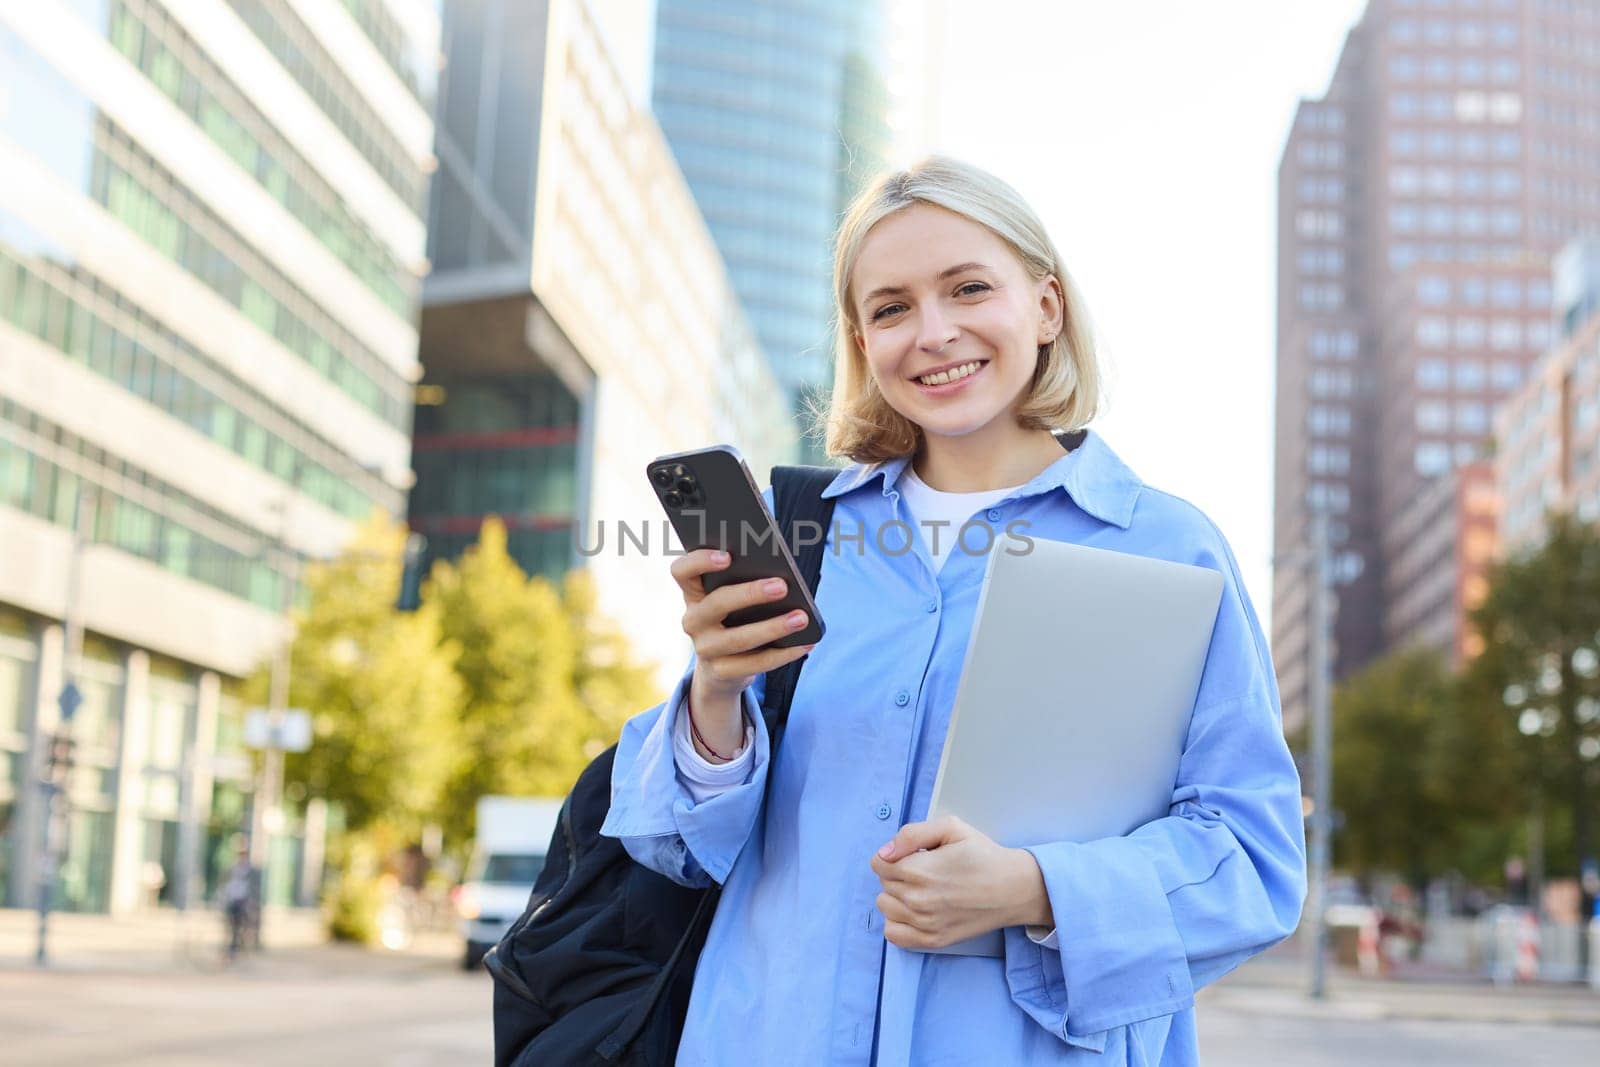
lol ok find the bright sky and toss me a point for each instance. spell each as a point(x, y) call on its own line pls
point(1147, 134)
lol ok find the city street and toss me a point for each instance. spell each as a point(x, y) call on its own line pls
point(329, 1005)
point(317, 1004)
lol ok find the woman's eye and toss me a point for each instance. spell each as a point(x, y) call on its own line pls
point(972, 288)
point(887, 310)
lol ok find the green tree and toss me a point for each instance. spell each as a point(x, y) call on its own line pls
point(546, 683)
point(1419, 773)
point(1540, 669)
point(1391, 813)
point(381, 688)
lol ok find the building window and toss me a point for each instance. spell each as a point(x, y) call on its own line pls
point(1403, 218)
point(1431, 458)
point(1507, 145)
point(1433, 374)
point(1471, 417)
point(1507, 221)
point(1433, 332)
point(1325, 224)
point(1506, 293)
point(1433, 289)
point(1506, 375)
point(1328, 496)
point(1471, 374)
point(1470, 332)
point(1329, 421)
point(1505, 335)
point(1404, 143)
point(1432, 416)
point(1329, 459)
point(1332, 381)
point(1405, 181)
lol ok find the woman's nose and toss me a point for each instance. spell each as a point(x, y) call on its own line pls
point(935, 331)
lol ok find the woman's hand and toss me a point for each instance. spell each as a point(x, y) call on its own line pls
point(728, 659)
point(944, 882)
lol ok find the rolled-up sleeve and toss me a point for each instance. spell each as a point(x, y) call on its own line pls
point(1145, 920)
point(654, 814)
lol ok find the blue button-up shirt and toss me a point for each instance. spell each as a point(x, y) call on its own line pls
point(796, 968)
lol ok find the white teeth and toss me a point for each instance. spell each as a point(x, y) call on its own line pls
point(944, 377)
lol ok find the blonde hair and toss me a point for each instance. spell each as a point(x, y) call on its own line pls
point(857, 421)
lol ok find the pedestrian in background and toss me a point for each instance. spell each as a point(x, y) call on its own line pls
point(240, 896)
point(965, 377)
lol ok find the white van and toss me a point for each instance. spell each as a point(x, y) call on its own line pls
point(507, 856)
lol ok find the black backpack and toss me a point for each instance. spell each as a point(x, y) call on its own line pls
point(598, 969)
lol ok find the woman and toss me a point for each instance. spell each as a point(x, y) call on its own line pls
point(963, 350)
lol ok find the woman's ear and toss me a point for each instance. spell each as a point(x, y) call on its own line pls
point(1052, 308)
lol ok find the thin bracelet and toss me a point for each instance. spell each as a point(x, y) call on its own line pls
point(695, 730)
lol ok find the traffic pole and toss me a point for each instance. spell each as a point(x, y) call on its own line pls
point(55, 781)
point(1319, 688)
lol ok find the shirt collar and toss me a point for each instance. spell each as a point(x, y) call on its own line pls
point(1092, 475)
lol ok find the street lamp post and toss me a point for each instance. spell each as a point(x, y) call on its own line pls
point(55, 780)
point(265, 816)
point(1319, 694)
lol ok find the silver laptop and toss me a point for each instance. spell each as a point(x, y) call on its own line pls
point(1074, 700)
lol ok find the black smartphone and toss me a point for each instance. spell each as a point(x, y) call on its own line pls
point(713, 502)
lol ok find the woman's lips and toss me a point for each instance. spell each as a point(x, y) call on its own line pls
point(951, 387)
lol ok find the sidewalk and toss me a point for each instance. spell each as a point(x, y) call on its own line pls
point(157, 940)
point(1274, 984)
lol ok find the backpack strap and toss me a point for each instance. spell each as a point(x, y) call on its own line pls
point(799, 508)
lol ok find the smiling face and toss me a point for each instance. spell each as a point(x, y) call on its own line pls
point(950, 321)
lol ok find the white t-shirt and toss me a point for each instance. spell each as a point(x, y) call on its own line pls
point(939, 516)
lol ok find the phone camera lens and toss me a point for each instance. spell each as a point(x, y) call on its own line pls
point(685, 485)
point(674, 500)
point(662, 477)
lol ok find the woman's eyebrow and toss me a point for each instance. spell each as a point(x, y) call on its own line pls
point(896, 290)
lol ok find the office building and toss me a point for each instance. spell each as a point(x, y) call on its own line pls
point(1548, 459)
point(578, 321)
point(211, 240)
point(1421, 199)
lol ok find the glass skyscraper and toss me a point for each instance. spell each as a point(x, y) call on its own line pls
point(777, 112)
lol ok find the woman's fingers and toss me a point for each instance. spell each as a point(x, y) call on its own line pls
point(737, 640)
point(708, 612)
point(688, 569)
point(750, 664)
point(893, 910)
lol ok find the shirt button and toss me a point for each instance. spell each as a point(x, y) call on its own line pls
point(884, 811)
point(994, 515)
point(931, 606)
point(902, 698)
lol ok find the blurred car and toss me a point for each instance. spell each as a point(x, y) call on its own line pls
point(513, 835)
